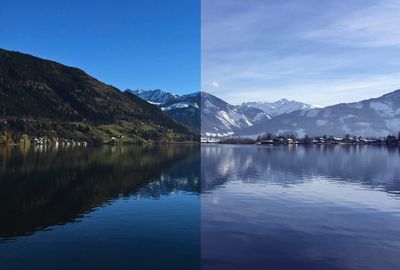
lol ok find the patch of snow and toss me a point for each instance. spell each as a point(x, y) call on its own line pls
point(207, 104)
point(261, 116)
point(217, 134)
point(279, 107)
point(154, 103)
point(341, 119)
point(347, 130)
point(224, 117)
point(393, 125)
point(179, 105)
point(383, 109)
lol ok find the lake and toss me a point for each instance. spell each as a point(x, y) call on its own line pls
point(100, 207)
point(191, 207)
point(297, 207)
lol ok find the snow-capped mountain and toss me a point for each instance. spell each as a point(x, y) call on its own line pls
point(184, 109)
point(218, 118)
point(252, 113)
point(376, 117)
point(279, 107)
point(157, 96)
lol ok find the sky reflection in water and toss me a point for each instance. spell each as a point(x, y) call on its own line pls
point(268, 207)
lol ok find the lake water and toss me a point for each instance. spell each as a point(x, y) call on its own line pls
point(295, 207)
point(256, 207)
point(100, 208)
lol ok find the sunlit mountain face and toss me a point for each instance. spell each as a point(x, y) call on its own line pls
point(185, 109)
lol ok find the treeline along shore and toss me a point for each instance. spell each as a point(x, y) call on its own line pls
point(325, 139)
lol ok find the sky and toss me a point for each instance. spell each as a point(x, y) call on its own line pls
point(133, 44)
point(319, 52)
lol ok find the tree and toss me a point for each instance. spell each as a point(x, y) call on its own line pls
point(390, 139)
point(307, 139)
point(270, 136)
point(3, 139)
point(25, 139)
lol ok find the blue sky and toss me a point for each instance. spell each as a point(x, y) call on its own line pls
point(129, 44)
point(320, 52)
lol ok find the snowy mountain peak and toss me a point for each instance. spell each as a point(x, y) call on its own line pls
point(219, 118)
point(184, 109)
point(375, 117)
point(278, 107)
point(156, 96)
point(283, 100)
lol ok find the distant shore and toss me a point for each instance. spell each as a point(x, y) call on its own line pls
point(307, 140)
point(25, 140)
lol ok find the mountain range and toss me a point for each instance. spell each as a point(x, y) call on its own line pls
point(185, 109)
point(279, 107)
point(375, 117)
point(39, 97)
point(218, 118)
point(45, 98)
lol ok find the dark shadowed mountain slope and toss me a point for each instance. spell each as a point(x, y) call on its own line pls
point(42, 97)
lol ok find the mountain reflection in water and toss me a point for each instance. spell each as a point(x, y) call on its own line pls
point(144, 200)
point(298, 207)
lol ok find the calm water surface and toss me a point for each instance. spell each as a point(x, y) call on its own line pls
point(257, 207)
point(271, 207)
point(100, 208)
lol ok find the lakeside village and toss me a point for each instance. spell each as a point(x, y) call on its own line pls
point(7, 139)
point(271, 139)
point(321, 140)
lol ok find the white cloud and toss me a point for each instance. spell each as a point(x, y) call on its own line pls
point(215, 84)
point(318, 52)
point(377, 25)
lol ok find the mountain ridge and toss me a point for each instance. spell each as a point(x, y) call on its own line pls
point(185, 109)
point(374, 117)
point(44, 98)
point(279, 107)
point(219, 118)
